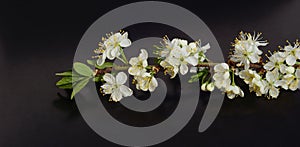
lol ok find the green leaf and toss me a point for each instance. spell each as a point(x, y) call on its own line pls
point(91, 62)
point(65, 86)
point(78, 86)
point(66, 73)
point(64, 80)
point(104, 65)
point(83, 69)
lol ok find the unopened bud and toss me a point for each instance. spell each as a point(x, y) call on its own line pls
point(210, 87)
point(203, 87)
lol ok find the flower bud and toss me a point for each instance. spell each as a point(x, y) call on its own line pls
point(210, 87)
point(203, 87)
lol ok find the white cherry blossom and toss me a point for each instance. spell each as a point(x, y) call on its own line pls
point(290, 81)
point(272, 78)
point(254, 80)
point(195, 49)
point(170, 65)
point(293, 53)
point(246, 49)
point(146, 82)
point(112, 46)
point(138, 64)
point(233, 91)
point(275, 61)
point(115, 86)
point(221, 76)
point(168, 46)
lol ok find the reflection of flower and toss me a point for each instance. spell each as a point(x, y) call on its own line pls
point(146, 82)
point(246, 49)
point(115, 87)
point(138, 64)
point(111, 47)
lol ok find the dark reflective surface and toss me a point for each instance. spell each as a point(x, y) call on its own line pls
point(38, 39)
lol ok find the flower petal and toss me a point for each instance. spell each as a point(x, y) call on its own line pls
point(143, 55)
point(297, 74)
point(121, 78)
point(101, 59)
point(107, 88)
point(133, 71)
point(133, 61)
point(290, 60)
point(230, 95)
point(184, 69)
point(294, 85)
point(274, 92)
point(116, 95)
point(205, 47)
point(297, 53)
point(108, 53)
point(115, 52)
point(192, 60)
point(125, 43)
point(254, 58)
point(153, 84)
point(125, 91)
point(145, 63)
point(269, 66)
point(125, 35)
point(192, 45)
point(109, 78)
point(221, 67)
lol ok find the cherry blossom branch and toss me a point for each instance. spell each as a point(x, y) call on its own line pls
point(177, 56)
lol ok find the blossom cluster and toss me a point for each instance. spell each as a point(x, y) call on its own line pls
point(177, 54)
point(281, 70)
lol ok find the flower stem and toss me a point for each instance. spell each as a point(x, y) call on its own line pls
point(232, 74)
point(124, 59)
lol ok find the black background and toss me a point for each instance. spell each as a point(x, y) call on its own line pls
point(38, 39)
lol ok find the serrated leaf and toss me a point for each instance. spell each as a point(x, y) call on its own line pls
point(83, 69)
point(78, 86)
